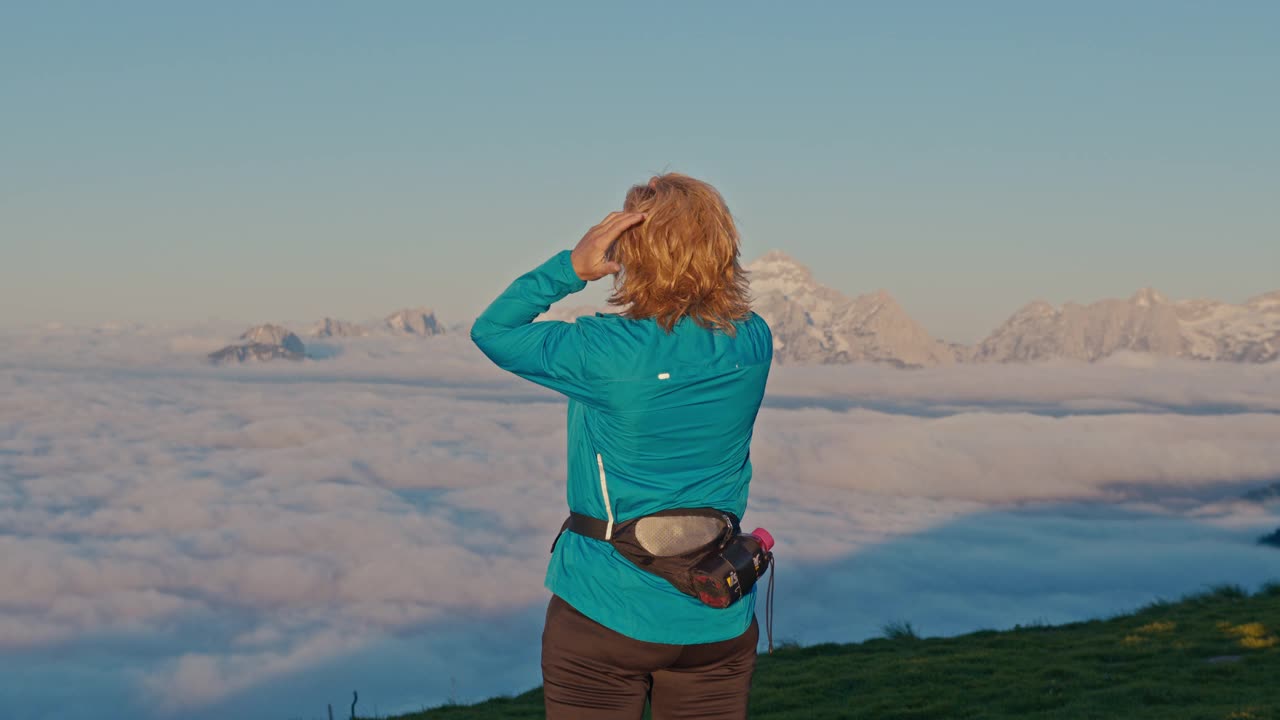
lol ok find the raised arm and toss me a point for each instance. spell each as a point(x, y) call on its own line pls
point(549, 353)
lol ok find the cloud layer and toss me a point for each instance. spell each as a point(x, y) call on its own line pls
point(182, 540)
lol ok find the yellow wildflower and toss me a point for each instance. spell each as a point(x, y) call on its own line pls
point(1250, 630)
point(1252, 635)
point(1258, 643)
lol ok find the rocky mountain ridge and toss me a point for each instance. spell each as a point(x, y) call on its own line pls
point(270, 342)
point(1148, 322)
point(418, 321)
point(330, 328)
point(815, 324)
point(261, 343)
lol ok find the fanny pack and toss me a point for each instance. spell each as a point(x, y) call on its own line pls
point(700, 551)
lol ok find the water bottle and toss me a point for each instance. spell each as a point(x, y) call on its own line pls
point(723, 578)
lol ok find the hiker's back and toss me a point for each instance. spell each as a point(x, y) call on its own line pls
point(672, 427)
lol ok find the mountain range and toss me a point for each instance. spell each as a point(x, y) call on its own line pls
point(269, 342)
point(815, 324)
point(409, 321)
point(1146, 322)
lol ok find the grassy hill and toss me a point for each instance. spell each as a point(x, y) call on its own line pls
point(1211, 655)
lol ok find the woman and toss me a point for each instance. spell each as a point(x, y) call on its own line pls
point(662, 400)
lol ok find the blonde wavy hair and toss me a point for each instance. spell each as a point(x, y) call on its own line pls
point(683, 259)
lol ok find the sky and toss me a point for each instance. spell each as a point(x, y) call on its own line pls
point(186, 541)
point(256, 162)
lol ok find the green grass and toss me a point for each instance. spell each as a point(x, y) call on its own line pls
point(1154, 663)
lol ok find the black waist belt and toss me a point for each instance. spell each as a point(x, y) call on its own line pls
point(596, 528)
point(585, 525)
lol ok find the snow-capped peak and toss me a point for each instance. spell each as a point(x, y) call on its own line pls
point(1038, 308)
point(330, 327)
point(261, 342)
point(814, 323)
point(414, 321)
point(1147, 297)
point(269, 334)
point(776, 271)
point(776, 258)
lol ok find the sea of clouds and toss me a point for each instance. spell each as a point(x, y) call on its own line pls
point(183, 540)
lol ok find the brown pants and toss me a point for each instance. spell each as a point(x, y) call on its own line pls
point(590, 672)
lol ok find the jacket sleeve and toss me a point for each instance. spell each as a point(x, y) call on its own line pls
point(549, 353)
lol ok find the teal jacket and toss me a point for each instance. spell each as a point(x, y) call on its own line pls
point(655, 421)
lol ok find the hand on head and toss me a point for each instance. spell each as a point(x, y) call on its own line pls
point(588, 257)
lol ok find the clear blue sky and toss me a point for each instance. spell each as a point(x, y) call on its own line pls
point(262, 161)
